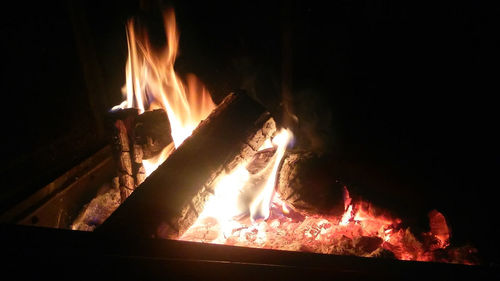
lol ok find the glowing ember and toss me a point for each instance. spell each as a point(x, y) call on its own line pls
point(347, 216)
point(151, 82)
point(362, 230)
point(358, 232)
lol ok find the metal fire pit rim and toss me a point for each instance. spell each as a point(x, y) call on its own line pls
point(24, 211)
point(169, 256)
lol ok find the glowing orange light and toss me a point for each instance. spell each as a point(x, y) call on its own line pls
point(151, 82)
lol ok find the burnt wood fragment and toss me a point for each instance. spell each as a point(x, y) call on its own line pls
point(168, 202)
point(260, 160)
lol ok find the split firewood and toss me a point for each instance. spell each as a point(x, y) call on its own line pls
point(137, 137)
point(122, 144)
point(152, 132)
point(122, 184)
point(305, 182)
point(169, 201)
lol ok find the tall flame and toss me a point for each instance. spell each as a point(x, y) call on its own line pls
point(151, 83)
point(259, 208)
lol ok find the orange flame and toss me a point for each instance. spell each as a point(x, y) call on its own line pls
point(151, 82)
point(259, 207)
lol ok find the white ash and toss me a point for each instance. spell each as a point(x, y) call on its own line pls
point(98, 210)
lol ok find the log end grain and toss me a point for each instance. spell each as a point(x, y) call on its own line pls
point(305, 182)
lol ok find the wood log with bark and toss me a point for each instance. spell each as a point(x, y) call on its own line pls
point(134, 138)
point(123, 150)
point(169, 201)
point(306, 183)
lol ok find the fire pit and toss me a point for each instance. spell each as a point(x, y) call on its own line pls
point(224, 184)
point(186, 168)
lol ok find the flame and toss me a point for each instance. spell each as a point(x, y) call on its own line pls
point(346, 218)
point(244, 209)
point(151, 83)
point(259, 208)
point(361, 230)
point(151, 164)
point(240, 194)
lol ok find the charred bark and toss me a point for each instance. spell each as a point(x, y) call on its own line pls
point(122, 123)
point(136, 137)
point(171, 198)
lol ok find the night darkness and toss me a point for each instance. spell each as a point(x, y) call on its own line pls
point(401, 95)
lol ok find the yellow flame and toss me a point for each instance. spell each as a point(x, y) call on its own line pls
point(239, 192)
point(151, 82)
point(150, 165)
point(347, 216)
point(259, 207)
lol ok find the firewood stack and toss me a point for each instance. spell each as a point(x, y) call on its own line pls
point(134, 138)
point(172, 197)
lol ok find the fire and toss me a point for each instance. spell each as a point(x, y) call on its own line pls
point(244, 209)
point(359, 231)
point(362, 230)
point(242, 195)
point(346, 217)
point(151, 83)
point(259, 208)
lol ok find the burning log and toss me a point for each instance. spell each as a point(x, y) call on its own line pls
point(172, 197)
point(306, 183)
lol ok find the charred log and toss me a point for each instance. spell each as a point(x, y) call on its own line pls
point(305, 182)
point(152, 132)
point(128, 147)
point(122, 123)
point(170, 199)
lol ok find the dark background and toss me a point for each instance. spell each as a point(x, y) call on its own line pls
point(401, 94)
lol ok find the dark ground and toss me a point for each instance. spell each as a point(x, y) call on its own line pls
point(401, 94)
